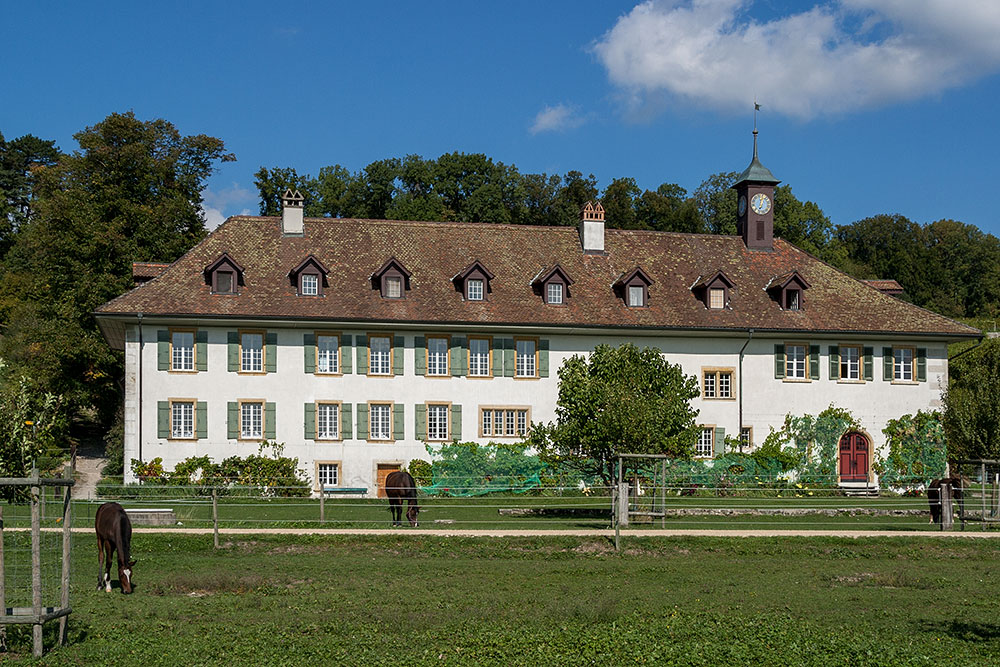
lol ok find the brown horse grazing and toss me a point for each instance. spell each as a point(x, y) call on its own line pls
point(399, 486)
point(934, 494)
point(114, 533)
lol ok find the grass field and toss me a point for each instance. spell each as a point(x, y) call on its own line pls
point(405, 599)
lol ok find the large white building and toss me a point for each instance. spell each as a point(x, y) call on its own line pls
point(355, 342)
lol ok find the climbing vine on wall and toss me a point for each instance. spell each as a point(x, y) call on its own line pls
point(917, 450)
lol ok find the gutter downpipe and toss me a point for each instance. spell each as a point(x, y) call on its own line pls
point(965, 352)
point(739, 434)
point(139, 405)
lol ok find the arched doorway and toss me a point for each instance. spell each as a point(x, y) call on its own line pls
point(854, 449)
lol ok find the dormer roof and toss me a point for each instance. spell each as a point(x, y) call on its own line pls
point(476, 265)
point(782, 281)
point(718, 276)
point(626, 278)
point(222, 260)
point(546, 274)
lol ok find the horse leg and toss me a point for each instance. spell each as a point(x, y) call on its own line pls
point(109, 552)
point(100, 563)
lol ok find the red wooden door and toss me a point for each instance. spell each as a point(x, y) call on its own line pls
point(853, 458)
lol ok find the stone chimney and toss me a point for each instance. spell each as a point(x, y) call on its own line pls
point(291, 213)
point(592, 228)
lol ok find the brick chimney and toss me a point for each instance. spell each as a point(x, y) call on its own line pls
point(291, 213)
point(592, 228)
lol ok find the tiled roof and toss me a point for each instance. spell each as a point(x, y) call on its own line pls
point(435, 252)
point(142, 271)
point(888, 286)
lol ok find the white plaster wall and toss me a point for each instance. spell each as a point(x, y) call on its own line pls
point(766, 400)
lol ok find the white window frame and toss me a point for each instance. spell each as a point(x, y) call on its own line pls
point(705, 445)
point(716, 298)
point(394, 287)
point(554, 293)
point(480, 364)
point(182, 420)
point(327, 474)
point(383, 419)
point(380, 357)
point(310, 284)
point(251, 420)
point(902, 367)
point(796, 366)
point(475, 289)
point(328, 425)
point(746, 436)
point(252, 351)
point(526, 362)
point(438, 416)
point(850, 365)
point(438, 357)
point(182, 352)
point(504, 422)
point(327, 354)
point(717, 383)
point(636, 296)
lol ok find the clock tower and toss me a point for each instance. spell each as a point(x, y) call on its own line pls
point(755, 203)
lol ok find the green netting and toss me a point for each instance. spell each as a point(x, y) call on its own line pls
point(466, 487)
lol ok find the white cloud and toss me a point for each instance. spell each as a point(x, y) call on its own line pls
point(838, 56)
point(559, 118)
point(219, 205)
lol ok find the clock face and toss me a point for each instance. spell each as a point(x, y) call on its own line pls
point(742, 205)
point(760, 204)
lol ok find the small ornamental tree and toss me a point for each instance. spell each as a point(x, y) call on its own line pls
point(620, 399)
point(972, 404)
point(33, 430)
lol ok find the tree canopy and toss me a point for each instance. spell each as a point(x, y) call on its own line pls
point(618, 400)
point(972, 404)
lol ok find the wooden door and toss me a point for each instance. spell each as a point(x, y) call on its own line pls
point(853, 458)
point(383, 471)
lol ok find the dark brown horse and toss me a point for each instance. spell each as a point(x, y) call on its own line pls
point(399, 486)
point(114, 533)
point(934, 494)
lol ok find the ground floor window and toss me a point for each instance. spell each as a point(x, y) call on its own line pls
point(706, 437)
point(327, 474)
point(251, 421)
point(437, 422)
point(182, 419)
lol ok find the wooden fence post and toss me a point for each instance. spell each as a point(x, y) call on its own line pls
point(947, 516)
point(3, 590)
point(215, 515)
point(36, 564)
point(67, 543)
point(322, 505)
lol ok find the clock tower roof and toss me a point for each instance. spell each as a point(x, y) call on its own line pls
point(756, 172)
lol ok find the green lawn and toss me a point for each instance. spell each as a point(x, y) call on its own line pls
point(401, 599)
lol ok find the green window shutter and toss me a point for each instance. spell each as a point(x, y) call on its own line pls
point(420, 421)
point(834, 352)
point(201, 350)
point(543, 358)
point(814, 362)
point(398, 347)
point(271, 352)
point(921, 364)
point(233, 420)
point(887, 364)
point(720, 442)
point(867, 353)
point(397, 422)
point(163, 419)
point(420, 355)
point(345, 421)
point(233, 338)
point(459, 362)
point(346, 353)
point(779, 362)
point(362, 359)
point(362, 421)
point(201, 419)
point(509, 357)
point(309, 352)
point(497, 357)
point(162, 350)
point(310, 421)
point(456, 422)
point(270, 427)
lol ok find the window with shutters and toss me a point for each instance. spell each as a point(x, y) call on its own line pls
point(902, 364)
point(796, 364)
point(437, 421)
point(437, 356)
point(182, 416)
point(504, 422)
point(251, 420)
point(182, 350)
point(704, 447)
point(380, 355)
point(480, 361)
point(380, 421)
point(327, 474)
point(327, 421)
point(251, 351)
point(327, 353)
point(717, 383)
point(850, 363)
point(526, 362)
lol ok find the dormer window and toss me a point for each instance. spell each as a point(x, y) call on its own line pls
point(633, 288)
point(392, 280)
point(552, 285)
point(224, 275)
point(788, 290)
point(309, 277)
point(713, 291)
point(473, 282)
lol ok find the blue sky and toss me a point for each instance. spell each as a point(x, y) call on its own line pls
point(868, 106)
